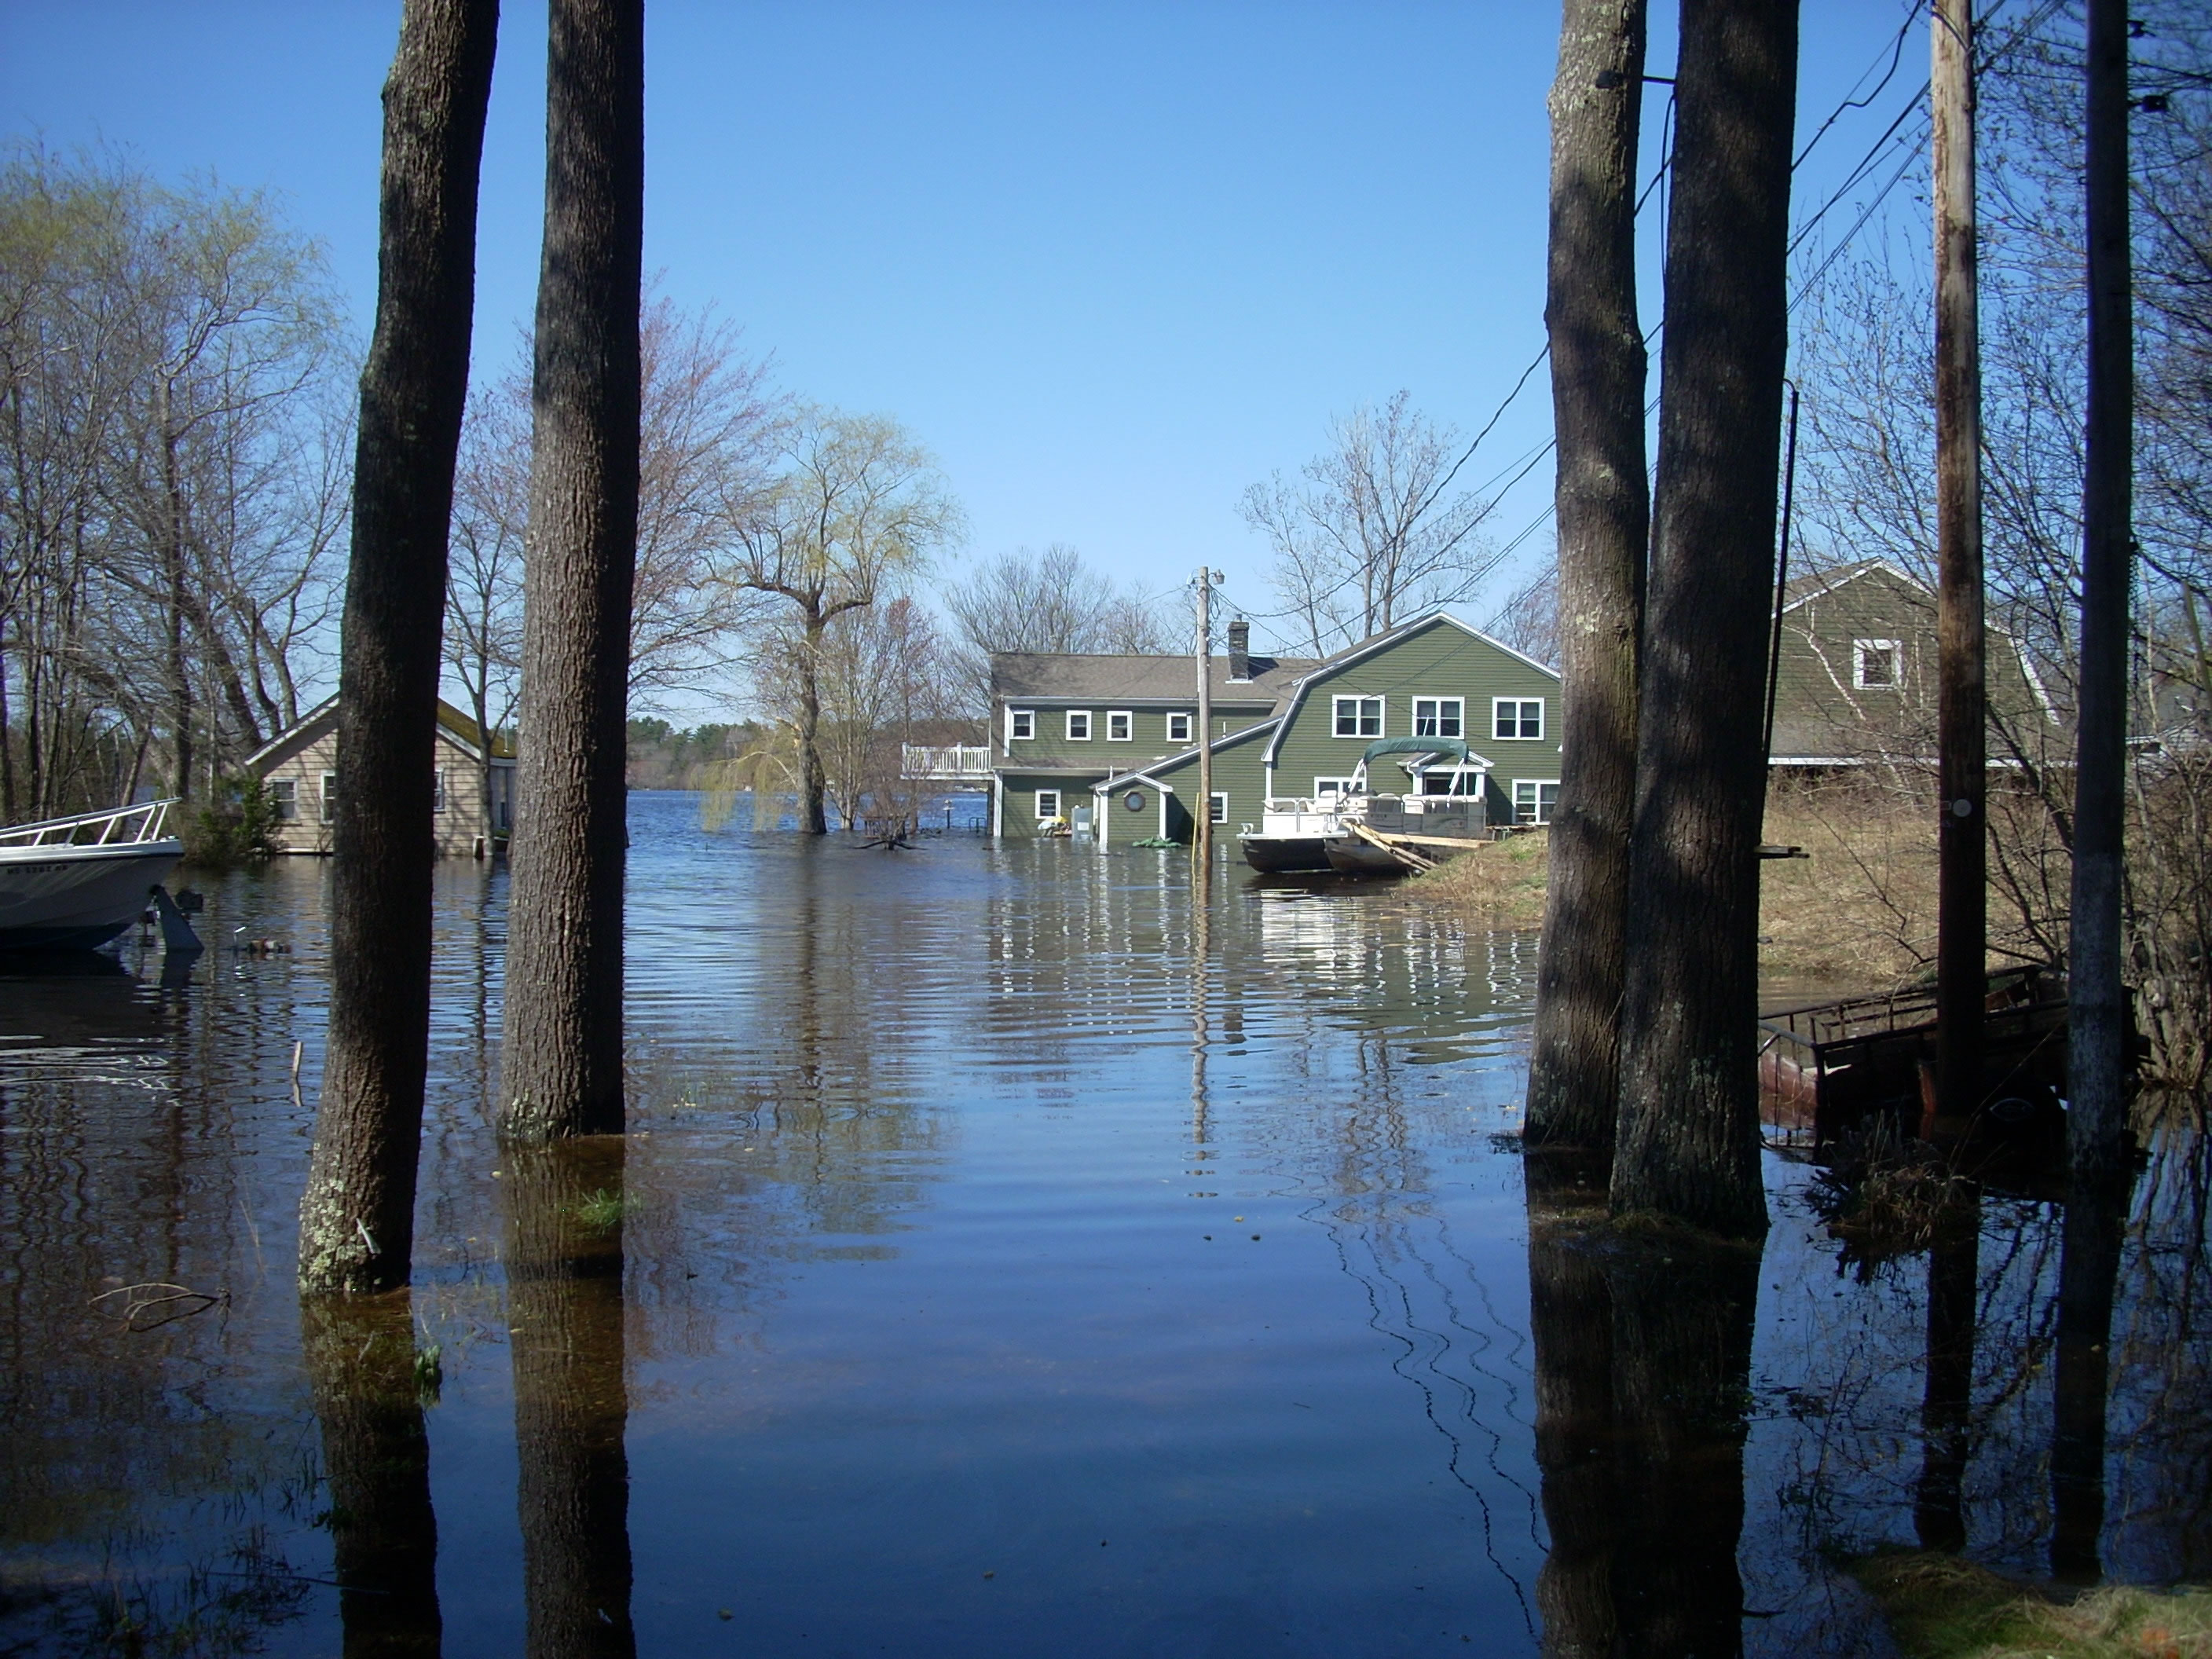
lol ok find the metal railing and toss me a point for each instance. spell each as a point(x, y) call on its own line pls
point(958, 763)
point(126, 826)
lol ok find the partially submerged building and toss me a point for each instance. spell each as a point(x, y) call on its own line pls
point(472, 809)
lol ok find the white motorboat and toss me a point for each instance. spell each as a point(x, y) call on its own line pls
point(76, 882)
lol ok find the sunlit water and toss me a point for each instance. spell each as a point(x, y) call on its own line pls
point(1010, 1263)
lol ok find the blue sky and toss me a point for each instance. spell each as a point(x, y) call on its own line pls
point(1112, 262)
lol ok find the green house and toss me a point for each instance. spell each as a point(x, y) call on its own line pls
point(1108, 743)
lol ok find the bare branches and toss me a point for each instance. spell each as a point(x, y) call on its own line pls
point(1375, 531)
point(1048, 601)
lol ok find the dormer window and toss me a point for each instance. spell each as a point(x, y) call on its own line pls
point(1877, 664)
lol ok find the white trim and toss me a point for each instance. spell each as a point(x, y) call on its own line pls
point(997, 808)
point(1359, 716)
point(1539, 785)
point(1128, 720)
point(327, 797)
point(1460, 704)
point(1243, 735)
point(1189, 724)
point(1543, 719)
point(1861, 648)
point(438, 790)
point(1222, 796)
point(1043, 816)
point(286, 805)
point(1338, 786)
point(1013, 714)
point(1070, 719)
point(1868, 569)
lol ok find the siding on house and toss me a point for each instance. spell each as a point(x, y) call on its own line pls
point(301, 766)
point(1436, 658)
point(1855, 679)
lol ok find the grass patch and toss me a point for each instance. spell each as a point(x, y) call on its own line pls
point(1939, 1607)
point(1503, 883)
point(604, 1210)
point(1858, 911)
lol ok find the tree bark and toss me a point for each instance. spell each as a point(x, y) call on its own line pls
point(1604, 518)
point(357, 1217)
point(563, 1061)
point(564, 1266)
point(360, 1355)
point(1962, 845)
point(1689, 1110)
point(812, 819)
point(2098, 1017)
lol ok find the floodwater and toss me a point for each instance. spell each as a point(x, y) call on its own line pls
point(1002, 1262)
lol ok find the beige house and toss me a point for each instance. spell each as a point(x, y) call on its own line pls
point(301, 767)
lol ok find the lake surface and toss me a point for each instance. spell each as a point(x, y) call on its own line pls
point(1004, 1260)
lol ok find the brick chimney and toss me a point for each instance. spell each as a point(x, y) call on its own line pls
point(1240, 650)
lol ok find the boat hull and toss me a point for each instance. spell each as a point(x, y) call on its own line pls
point(1348, 855)
point(66, 897)
point(1283, 854)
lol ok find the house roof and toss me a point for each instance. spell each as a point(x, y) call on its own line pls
point(458, 727)
point(1182, 757)
point(1059, 677)
point(1811, 584)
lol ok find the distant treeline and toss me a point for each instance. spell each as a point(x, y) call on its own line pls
point(662, 758)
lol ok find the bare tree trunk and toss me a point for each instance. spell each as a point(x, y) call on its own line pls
point(1604, 516)
point(173, 566)
point(564, 1264)
point(1689, 1108)
point(563, 1061)
point(812, 820)
point(357, 1217)
point(360, 1358)
point(2098, 1019)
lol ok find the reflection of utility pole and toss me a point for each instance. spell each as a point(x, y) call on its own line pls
point(1201, 831)
point(1962, 852)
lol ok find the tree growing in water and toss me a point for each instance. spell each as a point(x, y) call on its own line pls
point(1688, 1138)
point(562, 1070)
point(852, 508)
point(1604, 518)
point(357, 1216)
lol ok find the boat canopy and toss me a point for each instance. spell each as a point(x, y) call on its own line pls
point(1450, 749)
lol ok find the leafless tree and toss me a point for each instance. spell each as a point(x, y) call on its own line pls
point(1046, 601)
point(1374, 531)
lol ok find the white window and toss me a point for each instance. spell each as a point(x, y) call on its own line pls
point(329, 797)
point(1439, 717)
point(1325, 787)
point(284, 796)
point(438, 790)
point(1534, 800)
point(1517, 717)
point(1120, 727)
point(1358, 717)
point(1178, 728)
point(1047, 804)
point(1220, 801)
point(1877, 664)
point(1079, 726)
point(1021, 723)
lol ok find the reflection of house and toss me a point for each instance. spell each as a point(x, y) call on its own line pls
point(1111, 740)
point(301, 767)
point(1857, 682)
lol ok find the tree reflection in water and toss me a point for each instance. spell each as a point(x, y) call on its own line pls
point(1643, 1350)
point(564, 1267)
point(360, 1361)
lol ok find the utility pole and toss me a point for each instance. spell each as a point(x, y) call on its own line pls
point(1201, 827)
point(1962, 840)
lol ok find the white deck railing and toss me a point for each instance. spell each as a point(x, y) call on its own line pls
point(125, 826)
point(956, 764)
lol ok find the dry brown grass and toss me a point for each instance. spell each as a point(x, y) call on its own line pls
point(1941, 1607)
point(1858, 911)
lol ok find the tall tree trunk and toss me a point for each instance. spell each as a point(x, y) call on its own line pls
point(357, 1217)
point(1689, 1108)
point(172, 570)
point(360, 1364)
point(2098, 1017)
point(1604, 518)
point(812, 786)
point(564, 1265)
point(563, 1061)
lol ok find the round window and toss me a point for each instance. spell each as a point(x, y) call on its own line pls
point(1134, 801)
